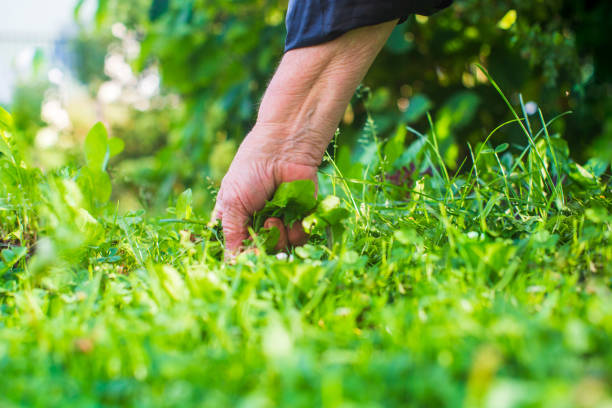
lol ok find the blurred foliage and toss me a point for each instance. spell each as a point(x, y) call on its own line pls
point(217, 56)
point(487, 288)
point(483, 282)
point(27, 101)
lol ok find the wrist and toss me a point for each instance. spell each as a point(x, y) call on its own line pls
point(278, 142)
point(307, 96)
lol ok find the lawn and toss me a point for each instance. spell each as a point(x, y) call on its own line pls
point(488, 286)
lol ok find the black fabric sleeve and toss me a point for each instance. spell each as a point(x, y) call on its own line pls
point(311, 22)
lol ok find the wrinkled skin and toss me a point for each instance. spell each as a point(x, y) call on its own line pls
point(298, 116)
point(253, 177)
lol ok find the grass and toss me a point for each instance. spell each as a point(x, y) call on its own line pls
point(486, 287)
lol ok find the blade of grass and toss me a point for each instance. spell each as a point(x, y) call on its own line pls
point(527, 133)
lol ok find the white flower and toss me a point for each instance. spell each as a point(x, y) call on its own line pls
point(54, 114)
point(531, 108)
point(109, 92)
point(149, 85)
point(46, 137)
point(55, 76)
point(116, 68)
point(119, 30)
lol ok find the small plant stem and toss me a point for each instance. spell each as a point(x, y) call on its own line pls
point(527, 133)
point(559, 186)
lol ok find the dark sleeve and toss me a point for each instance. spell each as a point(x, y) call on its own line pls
point(311, 22)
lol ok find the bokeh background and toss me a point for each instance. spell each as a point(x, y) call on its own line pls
point(179, 81)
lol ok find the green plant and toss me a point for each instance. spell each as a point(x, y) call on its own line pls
point(482, 287)
point(218, 56)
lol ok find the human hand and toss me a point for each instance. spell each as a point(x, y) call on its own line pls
point(262, 163)
point(297, 118)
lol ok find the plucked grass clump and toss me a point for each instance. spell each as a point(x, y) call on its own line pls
point(489, 286)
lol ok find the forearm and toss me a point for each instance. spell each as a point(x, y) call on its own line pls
point(311, 89)
point(297, 118)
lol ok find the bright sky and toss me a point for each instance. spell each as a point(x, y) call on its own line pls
point(26, 24)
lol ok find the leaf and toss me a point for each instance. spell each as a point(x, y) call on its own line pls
point(406, 236)
point(295, 201)
point(507, 20)
point(395, 146)
point(5, 148)
point(456, 113)
point(89, 226)
point(379, 100)
point(291, 202)
point(299, 192)
point(269, 237)
point(6, 120)
point(309, 252)
point(560, 149)
point(96, 147)
point(490, 204)
point(13, 255)
point(115, 146)
point(77, 9)
point(397, 42)
point(502, 148)
point(460, 108)
point(596, 166)
point(412, 153)
point(95, 185)
point(330, 209)
point(582, 176)
point(345, 164)
point(101, 11)
point(313, 223)
point(173, 282)
point(329, 213)
point(102, 187)
point(183, 205)
point(158, 8)
point(419, 105)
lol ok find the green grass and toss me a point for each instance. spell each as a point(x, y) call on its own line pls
point(489, 287)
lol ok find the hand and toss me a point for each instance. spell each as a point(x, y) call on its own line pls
point(298, 116)
point(261, 164)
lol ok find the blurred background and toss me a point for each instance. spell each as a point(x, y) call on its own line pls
point(179, 81)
